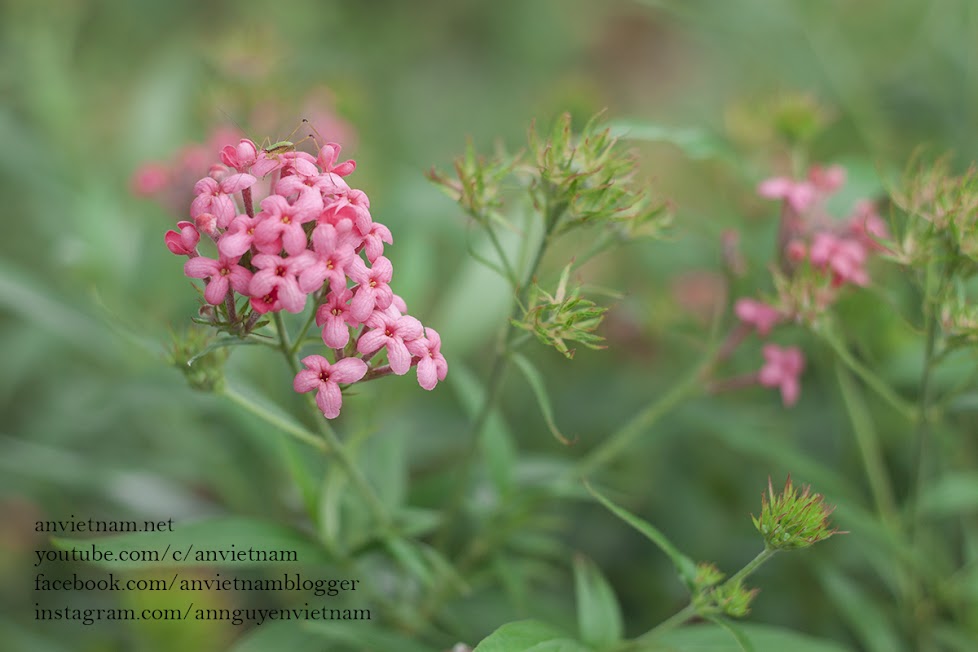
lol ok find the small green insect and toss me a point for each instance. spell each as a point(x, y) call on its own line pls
point(283, 146)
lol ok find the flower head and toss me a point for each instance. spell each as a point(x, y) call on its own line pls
point(793, 518)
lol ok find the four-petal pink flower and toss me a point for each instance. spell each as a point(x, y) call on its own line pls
point(432, 366)
point(221, 273)
point(326, 378)
point(372, 290)
point(393, 334)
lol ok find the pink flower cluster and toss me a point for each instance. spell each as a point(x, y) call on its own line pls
point(820, 255)
point(838, 250)
point(288, 231)
point(782, 366)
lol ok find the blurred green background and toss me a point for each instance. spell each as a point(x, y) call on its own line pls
point(96, 424)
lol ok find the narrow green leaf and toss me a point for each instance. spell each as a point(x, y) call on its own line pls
point(212, 542)
point(953, 493)
point(685, 566)
point(220, 343)
point(497, 441)
point(410, 558)
point(764, 638)
point(695, 143)
point(735, 631)
point(862, 612)
point(598, 614)
point(535, 381)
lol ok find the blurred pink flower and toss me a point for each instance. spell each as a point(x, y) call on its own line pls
point(757, 314)
point(799, 195)
point(782, 367)
point(150, 179)
point(843, 257)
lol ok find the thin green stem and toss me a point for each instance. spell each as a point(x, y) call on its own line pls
point(869, 448)
point(679, 618)
point(343, 456)
point(300, 339)
point(288, 427)
point(494, 239)
point(872, 381)
point(752, 566)
point(615, 444)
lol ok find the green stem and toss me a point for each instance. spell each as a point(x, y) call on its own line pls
point(672, 622)
point(275, 420)
point(343, 456)
point(872, 381)
point(752, 566)
point(300, 339)
point(621, 439)
point(494, 239)
point(869, 448)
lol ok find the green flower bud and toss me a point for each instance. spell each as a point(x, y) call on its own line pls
point(793, 518)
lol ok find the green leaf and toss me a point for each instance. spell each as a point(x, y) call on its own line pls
point(527, 636)
point(860, 610)
point(695, 143)
point(204, 540)
point(411, 558)
point(953, 493)
point(685, 566)
point(598, 614)
point(764, 638)
point(535, 380)
point(496, 441)
point(221, 343)
point(735, 631)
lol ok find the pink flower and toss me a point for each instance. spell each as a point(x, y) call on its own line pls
point(215, 197)
point(241, 156)
point(799, 195)
point(239, 236)
point(432, 366)
point(373, 241)
point(329, 262)
point(392, 334)
point(281, 222)
point(327, 161)
point(324, 377)
point(844, 257)
point(335, 320)
point(279, 274)
point(222, 273)
point(782, 367)
point(184, 242)
point(150, 179)
point(827, 180)
point(373, 290)
point(868, 227)
point(758, 314)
